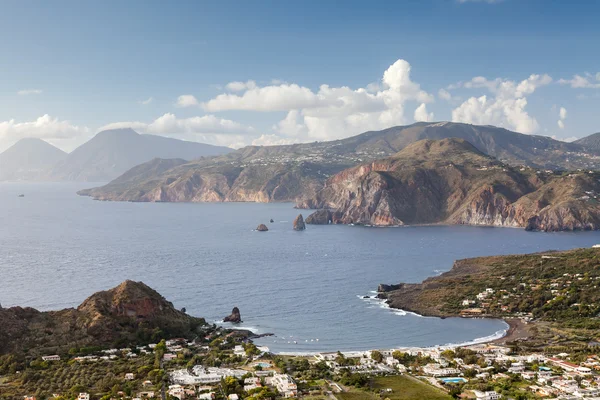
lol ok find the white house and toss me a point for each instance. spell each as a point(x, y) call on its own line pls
point(51, 358)
point(284, 384)
point(491, 395)
point(83, 396)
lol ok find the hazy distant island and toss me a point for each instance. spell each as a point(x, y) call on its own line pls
point(107, 155)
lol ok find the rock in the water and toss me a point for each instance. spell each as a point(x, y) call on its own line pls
point(262, 228)
point(299, 223)
point(235, 316)
point(271, 221)
point(388, 288)
point(321, 217)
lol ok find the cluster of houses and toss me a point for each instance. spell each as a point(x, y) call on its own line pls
point(554, 377)
point(501, 299)
point(206, 381)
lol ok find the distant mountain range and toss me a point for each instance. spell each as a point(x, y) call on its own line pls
point(299, 171)
point(28, 159)
point(103, 158)
point(449, 181)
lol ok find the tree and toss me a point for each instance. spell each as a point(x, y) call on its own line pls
point(377, 356)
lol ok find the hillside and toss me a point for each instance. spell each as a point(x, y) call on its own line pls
point(295, 172)
point(590, 143)
point(27, 159)
point(129, 313)
point(111, 153)
point(550, 286)
point(449, 181)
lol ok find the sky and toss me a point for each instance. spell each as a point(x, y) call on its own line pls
point(277, 72)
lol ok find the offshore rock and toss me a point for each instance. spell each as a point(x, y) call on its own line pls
point(299, 223)
point(321, 217)
point(262, 228)
point(234, 317)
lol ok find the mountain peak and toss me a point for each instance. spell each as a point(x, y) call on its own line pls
point(117, 131)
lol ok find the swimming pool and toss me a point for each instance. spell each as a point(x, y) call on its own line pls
point(262, 364)
point(453, 380)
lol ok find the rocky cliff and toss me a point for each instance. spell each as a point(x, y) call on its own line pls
point(297, 172)
point(129, 313)
point(450, 181)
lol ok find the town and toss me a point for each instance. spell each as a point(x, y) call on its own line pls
point(226, 366)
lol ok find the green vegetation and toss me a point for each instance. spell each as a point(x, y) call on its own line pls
point(402, 388)
point(560, 288)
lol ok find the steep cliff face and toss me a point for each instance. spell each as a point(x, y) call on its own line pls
point(449, 181)
point(129, 313)
point(297, 172)
point(206, 182)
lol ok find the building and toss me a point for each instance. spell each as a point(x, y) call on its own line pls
point(284, 384)
point(83, 396)
point(129, 376)
point(491, 395)
point(51, 358)
point(471, 312)
point(177, 391)
point(436, 370)
point(239, 351)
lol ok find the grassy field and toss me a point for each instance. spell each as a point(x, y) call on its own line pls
point(403, 388)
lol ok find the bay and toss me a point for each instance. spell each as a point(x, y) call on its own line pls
point(57, 248)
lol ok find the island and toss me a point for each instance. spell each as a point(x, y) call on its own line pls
point(449, 181)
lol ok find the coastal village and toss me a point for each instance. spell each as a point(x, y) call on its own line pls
point(225, 365)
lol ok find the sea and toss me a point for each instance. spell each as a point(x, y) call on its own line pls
point(306, 288)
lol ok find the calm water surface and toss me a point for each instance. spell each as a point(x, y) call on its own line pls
point(57, 248)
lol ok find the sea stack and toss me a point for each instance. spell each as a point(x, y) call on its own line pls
point(262, 228)
point(299, 223)
point(235, 316)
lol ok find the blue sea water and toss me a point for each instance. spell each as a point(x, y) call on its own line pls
point(57, 248)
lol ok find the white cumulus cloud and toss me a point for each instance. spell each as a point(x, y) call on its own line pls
point(240, 86)
point(562, 115)
point(187, 100)
point(329, 112)
point(588, 81)
point(506, 106)
point(48, 128)
point(421, 114)
point(207, 129)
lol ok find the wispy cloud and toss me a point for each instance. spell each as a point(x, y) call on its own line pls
point(147, 101)
point(27, 92)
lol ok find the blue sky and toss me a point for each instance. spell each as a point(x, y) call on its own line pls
point(70, 68)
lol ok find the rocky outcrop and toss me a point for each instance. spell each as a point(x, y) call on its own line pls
point(449, 181)
point(127, 314)
point(382, 288)
point(298, 224)
point(262, 228)
point(234, 317)
point(321, 217)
